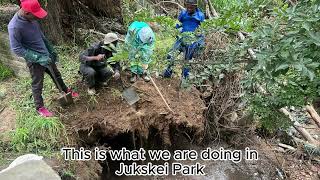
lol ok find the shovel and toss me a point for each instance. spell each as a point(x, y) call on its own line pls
point(64, 99)
point(130, 94)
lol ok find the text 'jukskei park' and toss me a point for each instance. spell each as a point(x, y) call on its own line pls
point(171, 166)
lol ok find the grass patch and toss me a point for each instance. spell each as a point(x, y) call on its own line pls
point(5, 72)
point(44, 135)
point(34, 133)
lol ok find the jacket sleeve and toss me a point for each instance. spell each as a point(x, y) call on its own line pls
point(146, 53)
point(51, 50)
point(181, 15)
point(200, 16)
point(17, 47)
point(88, 53)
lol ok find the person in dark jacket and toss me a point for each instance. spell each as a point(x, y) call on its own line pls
point(28, 41)
point(93, 65)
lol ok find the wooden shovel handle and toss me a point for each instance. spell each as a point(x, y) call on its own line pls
point(164, 100)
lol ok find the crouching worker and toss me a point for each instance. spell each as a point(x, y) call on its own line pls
point(28, 41)
point(93, 65)
point(140, 43)
point(190, 19)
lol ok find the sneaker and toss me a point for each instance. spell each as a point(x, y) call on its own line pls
point(74, 94)
point(167, 73)
point(146, 77)
point(44, 112)
point(91, 91)
point(133, 78)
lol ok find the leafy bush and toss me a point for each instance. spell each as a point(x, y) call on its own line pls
point(286, 64)
point(4, 2)
point(286, 42)
point(238, 15)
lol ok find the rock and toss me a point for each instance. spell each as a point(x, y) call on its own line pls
point(29, 167)
point(2, 95)
point(17, 64)
point(314, 169)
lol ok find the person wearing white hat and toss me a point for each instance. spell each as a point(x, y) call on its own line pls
point(140, 41)
point(93, 65)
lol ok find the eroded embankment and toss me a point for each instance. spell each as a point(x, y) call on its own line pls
point(109, 115)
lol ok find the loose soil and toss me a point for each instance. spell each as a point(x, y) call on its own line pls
point(7, 122)
point(109, 115)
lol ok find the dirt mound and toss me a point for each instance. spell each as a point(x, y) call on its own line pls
point(108, 115)
point(7, 123)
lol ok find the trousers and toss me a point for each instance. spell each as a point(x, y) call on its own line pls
point(37, 74)
point(95, 75)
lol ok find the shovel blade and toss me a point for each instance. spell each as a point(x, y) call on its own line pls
point(65, 99)
point(130, 95)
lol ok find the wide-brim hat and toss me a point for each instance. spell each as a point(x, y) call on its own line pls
point(110, 38)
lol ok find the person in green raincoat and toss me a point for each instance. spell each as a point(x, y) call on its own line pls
point(140, 41)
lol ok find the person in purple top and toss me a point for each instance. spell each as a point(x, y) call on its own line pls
point(28, 41)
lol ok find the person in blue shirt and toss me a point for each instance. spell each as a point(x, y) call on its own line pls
point(190, 18)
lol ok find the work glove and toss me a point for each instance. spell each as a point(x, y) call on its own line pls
point(45, 61)
point(35, 57)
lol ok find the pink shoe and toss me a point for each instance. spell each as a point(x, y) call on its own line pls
point(44, 112)
point(74, 94)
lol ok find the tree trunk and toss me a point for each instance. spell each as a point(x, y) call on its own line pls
point(65, 17)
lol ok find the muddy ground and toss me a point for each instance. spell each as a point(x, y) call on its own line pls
point(107, 121)
point(108, 115)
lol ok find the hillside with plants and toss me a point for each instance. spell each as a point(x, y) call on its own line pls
point(254, 84)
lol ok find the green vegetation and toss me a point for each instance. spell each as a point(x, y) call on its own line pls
point(5, 72)
point(285, 39)
point(4, 2)
point(286, 42)
point(34, 133)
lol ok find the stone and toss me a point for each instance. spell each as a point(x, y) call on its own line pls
point(17, 64)
point(29, 167)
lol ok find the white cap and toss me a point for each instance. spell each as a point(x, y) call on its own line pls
point(110, 38)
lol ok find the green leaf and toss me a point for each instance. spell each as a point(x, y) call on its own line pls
point(311, 75)
point(282, 67)
point(315, 37)
point(313, 65)
point(306, 26)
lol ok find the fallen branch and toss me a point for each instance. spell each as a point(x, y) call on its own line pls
point(1, 109)
point(313, 113)
point(171, 2)
point(287, 146)
point(208, 12)
point(102, 34)
point(213, 11)
point(304, 133)
point(240, 34)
